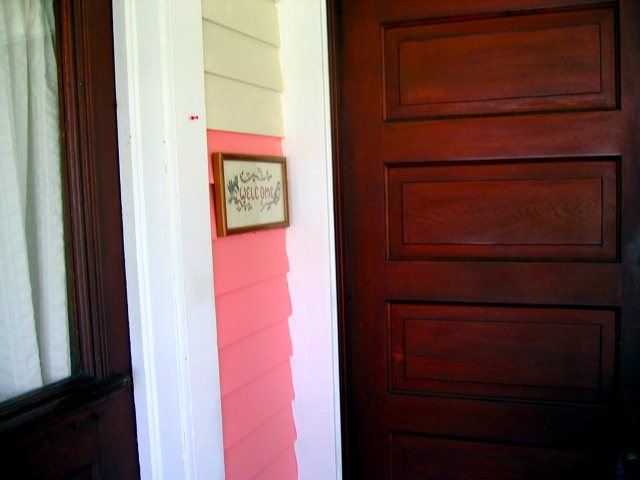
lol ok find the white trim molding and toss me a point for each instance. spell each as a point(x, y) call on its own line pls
point(167, 237)
point(310, 238)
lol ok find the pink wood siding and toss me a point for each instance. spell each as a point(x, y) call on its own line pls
point(284, 465)
point(252, 310)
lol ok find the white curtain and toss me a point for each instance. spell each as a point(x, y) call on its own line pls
point(34, 326)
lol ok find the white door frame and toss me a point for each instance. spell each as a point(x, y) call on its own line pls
point(167, 237)
point(310, 239)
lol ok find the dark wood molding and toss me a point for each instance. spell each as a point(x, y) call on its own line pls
point(630, 324)
point(70, 432)
point(27, 414)
point(333, 19)
point(84, 426)
point(78, 69)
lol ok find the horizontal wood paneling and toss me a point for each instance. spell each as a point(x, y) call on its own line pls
point(254, 356)
point(417, 457)
point(441, 391)
point(530, 423)
point(519, 63)
point(235, 56)
point(243, 79)
point(396, 11)
point(282, 468)
point(530, 212)
point(252, 405)
point(255, 18)
point(239, 107)
point(255, 452)
point(243, 260)
point(596, 283)
point(515, 352)
point(251, 309)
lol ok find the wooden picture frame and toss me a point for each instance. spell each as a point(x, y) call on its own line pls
point(250, 193)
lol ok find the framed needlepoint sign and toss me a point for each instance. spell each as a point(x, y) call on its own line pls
point(250, 193)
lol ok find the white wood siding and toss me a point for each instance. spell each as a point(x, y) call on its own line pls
point(234, 106)
point(243, 79)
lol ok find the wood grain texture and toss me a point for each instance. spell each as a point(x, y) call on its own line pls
point(84, 425)
point(407, 10)
point(503, 137)
point(416, 458)
point(524, 63)
point(502, 351)
point(554, 210)
point(512, 212)
point(512, 240)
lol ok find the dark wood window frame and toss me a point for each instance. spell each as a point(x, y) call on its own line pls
point(101, 360)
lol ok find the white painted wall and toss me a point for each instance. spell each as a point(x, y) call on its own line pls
point(243, 81)
point(167, 236)
point(310, 239)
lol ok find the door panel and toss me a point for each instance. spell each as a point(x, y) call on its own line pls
point(487, 178)
point(503, 352)
point(521, 63)
point(419, 458)
point(521, 210)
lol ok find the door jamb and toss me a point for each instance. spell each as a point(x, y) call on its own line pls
point(343, 353)
point(166, 220)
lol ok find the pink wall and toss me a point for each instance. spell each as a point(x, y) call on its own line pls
point(252, 309)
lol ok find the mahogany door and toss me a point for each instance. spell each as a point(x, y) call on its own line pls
point(83, 427)
point(489, 236)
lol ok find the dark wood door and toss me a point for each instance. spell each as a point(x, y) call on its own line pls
point(83, 427)
point(489, 234)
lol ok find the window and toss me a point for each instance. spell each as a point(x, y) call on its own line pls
point(34, 319)
point(83, 426)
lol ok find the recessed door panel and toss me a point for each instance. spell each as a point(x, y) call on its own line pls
point(529, 62)
point(416, 458)
point(557, 210)
point(556, 354)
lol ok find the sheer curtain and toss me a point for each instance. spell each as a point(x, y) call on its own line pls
point(34, 326)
